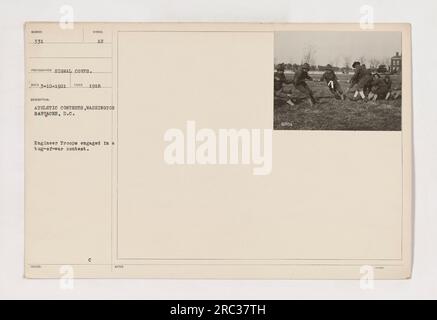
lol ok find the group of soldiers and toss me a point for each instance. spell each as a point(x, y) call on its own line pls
point(368, 86)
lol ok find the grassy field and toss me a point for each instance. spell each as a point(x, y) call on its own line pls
point(332, 114)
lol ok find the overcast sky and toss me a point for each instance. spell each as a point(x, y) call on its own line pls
point(332, 47)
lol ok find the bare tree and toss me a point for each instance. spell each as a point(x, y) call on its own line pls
point(309, 55)
point(347, 62)
point(336, 61)
point(386, 61)
point(374, 63)
point(362, 60)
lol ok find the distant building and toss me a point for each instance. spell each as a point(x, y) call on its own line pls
point(396, 63)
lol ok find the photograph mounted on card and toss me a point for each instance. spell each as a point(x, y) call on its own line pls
point(218, 151)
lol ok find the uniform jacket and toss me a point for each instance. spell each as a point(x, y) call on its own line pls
point(388, 81)
point(300, 76)
point(380, 84)
point(280, 80)
point(329, 76)
point(360, 72)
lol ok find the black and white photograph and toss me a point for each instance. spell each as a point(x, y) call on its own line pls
point(218, 159)
point(338, 80)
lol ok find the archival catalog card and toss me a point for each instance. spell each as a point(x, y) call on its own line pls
point(218, 150)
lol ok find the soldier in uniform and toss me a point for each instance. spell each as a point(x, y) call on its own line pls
point(332, 81)
point(361, 79)
point(280, 81)
point(387, 80)
point(380, 88)
point(300, 77)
